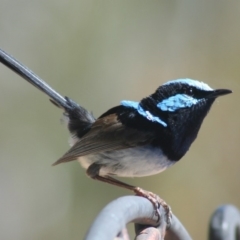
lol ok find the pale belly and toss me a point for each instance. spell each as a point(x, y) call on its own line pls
point(131, 162)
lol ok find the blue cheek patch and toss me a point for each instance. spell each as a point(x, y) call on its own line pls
point(176, 102)
point(143, 112)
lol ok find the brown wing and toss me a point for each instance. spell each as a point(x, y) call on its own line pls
point(106, 134)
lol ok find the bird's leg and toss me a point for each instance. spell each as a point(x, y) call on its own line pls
point(93, 172)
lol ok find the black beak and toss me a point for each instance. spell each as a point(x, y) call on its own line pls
point(218, 92)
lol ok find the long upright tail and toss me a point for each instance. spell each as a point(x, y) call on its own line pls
point(32, 78)
point(80, 119)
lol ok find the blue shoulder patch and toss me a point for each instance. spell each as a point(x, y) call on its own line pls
point(194, 83)
point(176, 102)
point(131, 104)
point(143, 112)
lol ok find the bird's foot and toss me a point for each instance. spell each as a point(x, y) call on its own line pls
point(156, 201)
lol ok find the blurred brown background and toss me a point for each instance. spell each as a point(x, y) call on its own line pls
point(98, 53)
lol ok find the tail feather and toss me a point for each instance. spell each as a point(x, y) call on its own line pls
point(79, 119)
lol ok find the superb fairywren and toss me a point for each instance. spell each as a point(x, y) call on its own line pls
point(134, 139)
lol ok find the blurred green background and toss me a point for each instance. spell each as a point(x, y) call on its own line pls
point(98, 53)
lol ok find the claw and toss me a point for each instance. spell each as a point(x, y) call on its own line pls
point(157, 202)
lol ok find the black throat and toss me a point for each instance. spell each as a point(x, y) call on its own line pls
point(182, 127)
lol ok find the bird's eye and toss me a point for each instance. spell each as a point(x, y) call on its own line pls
point(190, 91)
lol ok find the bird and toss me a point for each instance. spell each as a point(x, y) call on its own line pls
point(133, 139)
point(137, 139)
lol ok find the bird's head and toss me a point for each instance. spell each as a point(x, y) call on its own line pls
point(181, 100)
point(181, 105)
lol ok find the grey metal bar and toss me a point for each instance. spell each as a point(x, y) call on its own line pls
point(225, 224)
point(115, 216)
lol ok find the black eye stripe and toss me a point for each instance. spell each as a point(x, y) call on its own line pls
point(191, 91)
